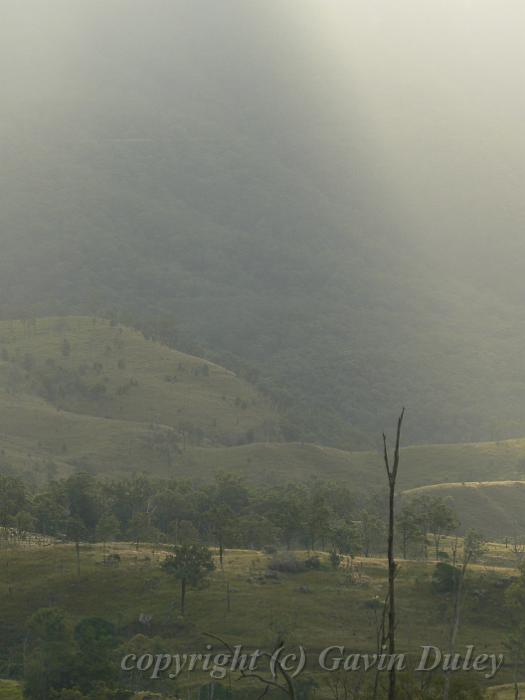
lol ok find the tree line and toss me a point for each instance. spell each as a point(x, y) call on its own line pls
point(226, 513)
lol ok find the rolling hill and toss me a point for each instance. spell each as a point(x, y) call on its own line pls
point(86, 393)
point(494, 508)
point(421, 465)
point(91, 367)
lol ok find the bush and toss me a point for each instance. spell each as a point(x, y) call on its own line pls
point(287, 564)
point(445, 578)
point(313, 563)
point(269, 549)
point(112, 560)
point(335, 559)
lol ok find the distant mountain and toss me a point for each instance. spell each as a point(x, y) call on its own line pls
point(209, 170)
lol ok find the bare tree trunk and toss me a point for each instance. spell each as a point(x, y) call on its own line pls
point(77, 548)
point(516, 684)
point(182, 595)
point(391, 470)
point(287, 687)
point(381, 639)
point(456, 618)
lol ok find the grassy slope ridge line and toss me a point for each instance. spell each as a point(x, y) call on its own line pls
point(77, 392)
point(81, 391)
point(422, 465)
point(492, 507)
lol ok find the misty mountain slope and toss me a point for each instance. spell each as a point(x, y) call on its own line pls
point(244, 185)
point(87, 393)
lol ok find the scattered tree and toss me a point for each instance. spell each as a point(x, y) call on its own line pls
point(190, 565)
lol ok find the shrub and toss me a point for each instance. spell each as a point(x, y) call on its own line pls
point(269, 549)
point(335, 559)
point(313, 563)
point(444, 578)
point(287, 564)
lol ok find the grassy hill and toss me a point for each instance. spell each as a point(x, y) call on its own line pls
point(38, 438)
point(421, 465)
point(495, 508)
point(87, 366)
point(81, 392)
point(10, 690)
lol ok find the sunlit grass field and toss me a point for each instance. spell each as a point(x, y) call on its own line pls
point(504, 692)
point(314, 608)
point(10, 690)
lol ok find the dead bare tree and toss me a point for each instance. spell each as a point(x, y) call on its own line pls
point(287, 687)
point(381, 639)
point(473, 547)
point(391, 471)
point(518, 547)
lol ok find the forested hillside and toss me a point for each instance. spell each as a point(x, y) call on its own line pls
point(88, 394)
point(247, 211)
